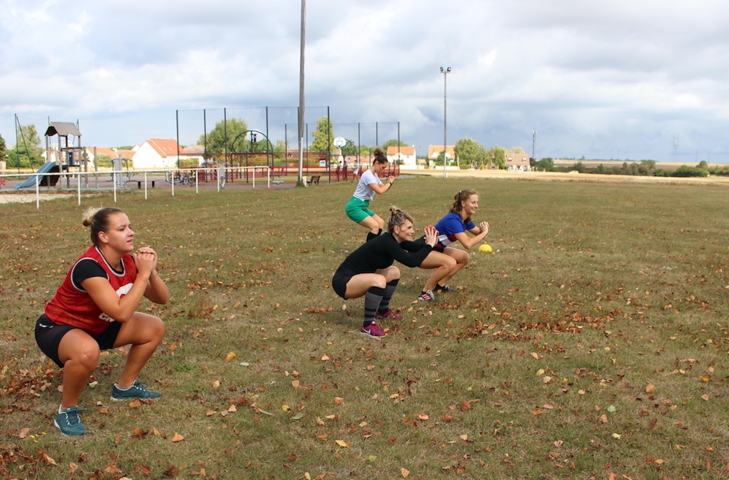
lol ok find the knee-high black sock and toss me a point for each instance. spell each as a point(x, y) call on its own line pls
point(389, 292)
point(373, 298)
point(371, 235)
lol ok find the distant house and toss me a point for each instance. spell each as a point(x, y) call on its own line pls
point(194, 152)
point(156, 153)
point(93, 152)
point(402, 155)
point(517, 161)
point(434, 151)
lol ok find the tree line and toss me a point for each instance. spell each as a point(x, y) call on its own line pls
point(234, 136)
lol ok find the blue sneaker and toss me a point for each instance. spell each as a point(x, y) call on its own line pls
point(136, 391)
point(69, 422)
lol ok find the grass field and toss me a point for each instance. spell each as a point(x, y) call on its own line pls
point(591, 344)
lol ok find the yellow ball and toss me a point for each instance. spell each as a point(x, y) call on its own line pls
point(485, 248)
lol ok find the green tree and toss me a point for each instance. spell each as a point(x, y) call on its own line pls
point(3, 149)
point(517, 150)
point(350, 148)
point(545, 164)
point(28, 151)
point(703, 165)
point(647, 167)
point(393, 143)
point(323, 136)
point(685, 171)
point(220, 139)
point(496, 157)
point(467, 151)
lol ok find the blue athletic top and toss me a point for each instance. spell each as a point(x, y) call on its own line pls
point(449, 226)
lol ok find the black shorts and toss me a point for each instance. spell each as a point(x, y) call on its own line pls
point(48, 336)
point(340, 281)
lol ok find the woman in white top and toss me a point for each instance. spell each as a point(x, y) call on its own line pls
point(369, 183)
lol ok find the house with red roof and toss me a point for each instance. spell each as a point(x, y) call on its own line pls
point(157, 153)
point(404, 156)
point(434, 151)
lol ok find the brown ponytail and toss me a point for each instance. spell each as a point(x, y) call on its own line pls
point(461, 197)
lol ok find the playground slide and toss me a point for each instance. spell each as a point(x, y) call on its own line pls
point(46, 168)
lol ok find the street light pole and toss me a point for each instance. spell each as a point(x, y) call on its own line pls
point(445, 72)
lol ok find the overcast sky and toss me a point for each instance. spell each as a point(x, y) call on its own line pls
point(637, 79)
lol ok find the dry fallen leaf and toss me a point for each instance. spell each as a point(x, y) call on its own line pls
point(295, 383)
point(338, 400)
point(113, 469)
point(177, 437)
point(342, 443)
point(48, 459)
point(405, 472)
point(650, 388)
point(135, 404)
point(230, 356)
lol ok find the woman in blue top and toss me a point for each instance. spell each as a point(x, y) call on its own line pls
point(452, 228)
point(358, 207)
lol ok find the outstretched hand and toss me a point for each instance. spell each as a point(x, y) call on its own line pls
point(431, 235)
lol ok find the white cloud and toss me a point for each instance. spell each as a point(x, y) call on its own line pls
point(593, 78)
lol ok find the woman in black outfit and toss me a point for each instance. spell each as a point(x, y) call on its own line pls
point(369, 270)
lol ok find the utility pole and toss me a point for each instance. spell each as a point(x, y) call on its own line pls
point(445, 72)
point(534, 139)
point(301, 92)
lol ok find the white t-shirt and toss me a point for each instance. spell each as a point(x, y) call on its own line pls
point(364, 191)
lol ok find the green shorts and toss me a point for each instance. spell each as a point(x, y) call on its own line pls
point(358, 210)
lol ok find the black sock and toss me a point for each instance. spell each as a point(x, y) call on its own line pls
point(371, 235)
point(373, 298)
point(389, 292)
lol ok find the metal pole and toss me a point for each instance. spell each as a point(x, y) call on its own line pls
point(534, 139)
point(301, 92)
point(445, 72)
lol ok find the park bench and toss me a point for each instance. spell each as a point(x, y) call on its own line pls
point(314, 180)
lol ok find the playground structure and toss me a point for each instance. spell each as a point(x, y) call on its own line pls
point(60, 158)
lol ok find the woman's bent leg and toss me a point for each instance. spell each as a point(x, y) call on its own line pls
point(79, 353)
point(443, 265)
point(144, 333)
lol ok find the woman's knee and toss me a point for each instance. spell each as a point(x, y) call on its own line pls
point(86, 354)
point(393, 273)
point(156, 329)
point(466, 258)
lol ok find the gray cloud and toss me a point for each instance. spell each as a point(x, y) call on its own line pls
point(606, 80)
